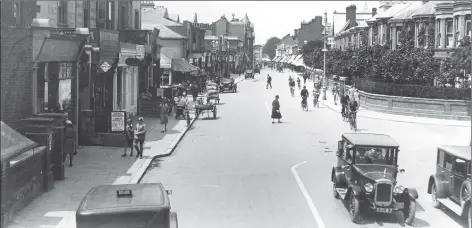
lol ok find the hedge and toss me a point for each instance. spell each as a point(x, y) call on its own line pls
point(418, 91)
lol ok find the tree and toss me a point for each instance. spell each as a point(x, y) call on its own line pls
point(270, 47)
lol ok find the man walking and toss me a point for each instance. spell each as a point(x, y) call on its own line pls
point(139, 137)
point(269, 82)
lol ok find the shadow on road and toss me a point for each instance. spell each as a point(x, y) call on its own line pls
point(210, 118)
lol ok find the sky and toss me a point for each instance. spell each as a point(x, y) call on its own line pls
point(270, 18)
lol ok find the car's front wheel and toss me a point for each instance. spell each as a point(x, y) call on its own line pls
point(469, 217)
point(409, 212)
point(434, 200)
point(354, 209)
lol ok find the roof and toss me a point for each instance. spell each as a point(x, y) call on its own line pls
point(165, 62)
point(459, 151)
point(168, 33)
point(151, 17)
point(180, 64)
point(362, 24)
point(150, 195)
point(427, 9)
point(391, 12)
point(404, 14)
point(370, 139)
point(174, 17)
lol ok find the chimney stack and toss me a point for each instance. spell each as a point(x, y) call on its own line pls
point(374, 11)
point(351, 15)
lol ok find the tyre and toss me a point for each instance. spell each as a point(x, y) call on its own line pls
point(214, 113)
point(173, 220)
point(409, 212)
point(354, 209)
point(469, 217)
point(434, 200)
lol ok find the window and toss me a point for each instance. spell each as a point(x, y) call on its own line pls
point(136, 19)
point(62, 13)
point(119, 88)
point(133, 85)
point(448, 162)
point(467, 26)
point(441, 158)
point(398, 35)
point(426, 37)
point(125, 86)
point(449, 33)
point(456, 30)
point(371, 155)
point(438, 31)
point(124, 17)
point(86, 14)
point(460, 167)
point(17, 6)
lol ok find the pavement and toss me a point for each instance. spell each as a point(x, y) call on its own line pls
point(243, 171)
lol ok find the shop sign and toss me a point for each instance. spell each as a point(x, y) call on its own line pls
point(105, 66)
point(109, 47)
point(118, 119)
point(159, 92)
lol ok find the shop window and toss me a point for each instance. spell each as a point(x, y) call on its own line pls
point(467, 26)
point(119, 88)
point(449, 33)
point(136, 19)
point(102, 14)
point(125, 88)
point(86, 13)
point(133, 90)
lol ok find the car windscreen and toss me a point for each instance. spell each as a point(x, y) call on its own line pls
point(375, 155)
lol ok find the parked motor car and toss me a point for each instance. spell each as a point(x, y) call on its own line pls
point(249, 74)
point(228, 84)
point(366, 176)
point(257, 70)
point(128, 205)
point(450, 186)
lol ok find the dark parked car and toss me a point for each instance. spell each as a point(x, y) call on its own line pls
point(257, 70)
point(366, 176)
point(450, 186)
point(227, 84)
point(249, 74)
point(129, 205)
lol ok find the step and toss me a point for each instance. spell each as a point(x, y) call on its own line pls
point(451, 206)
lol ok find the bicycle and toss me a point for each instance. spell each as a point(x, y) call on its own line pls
point(292, 90)
point(304, 104)
point(352, 120)
point(345, 112)
point(315, 101)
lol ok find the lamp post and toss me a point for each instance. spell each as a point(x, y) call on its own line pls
point(325, 80)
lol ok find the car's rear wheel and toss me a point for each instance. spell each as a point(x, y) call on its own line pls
point(409, 212)
point(354, 209)
point(434, 200)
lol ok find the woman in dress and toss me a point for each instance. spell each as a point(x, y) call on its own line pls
point(276, 110)
point(69, 141)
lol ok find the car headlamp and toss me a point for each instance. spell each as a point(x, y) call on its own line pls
point(399, 189)
point(369, 187)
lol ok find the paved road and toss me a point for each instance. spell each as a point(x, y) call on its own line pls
point(238, 171)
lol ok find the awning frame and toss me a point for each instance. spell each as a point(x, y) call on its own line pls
point(81, 40)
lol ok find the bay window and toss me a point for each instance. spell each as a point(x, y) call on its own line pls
point(456, 31)
point(398, 35)
point(467, 26)
point(449, 33)
point(438, 32)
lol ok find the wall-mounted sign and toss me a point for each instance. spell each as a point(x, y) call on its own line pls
point(105, 66)
point(118, 120)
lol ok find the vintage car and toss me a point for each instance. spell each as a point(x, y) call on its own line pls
point(127, 205)
point(257, 71)
point(227, 84)
point(249, 74)
point(450, 186)
point(366, 176)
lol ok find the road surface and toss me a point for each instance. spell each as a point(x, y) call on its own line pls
point(243, 171)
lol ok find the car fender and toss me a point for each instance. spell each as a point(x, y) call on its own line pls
point(337, 174)
point(465, 200)
point(412, 193)
point(353, 189)
point(440, 183)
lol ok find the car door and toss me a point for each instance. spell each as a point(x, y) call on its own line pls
point(459, 173)
point(447, 174)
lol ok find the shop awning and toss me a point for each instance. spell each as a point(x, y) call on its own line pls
point(127, 51)
point(179, 64)
point(13, 143)
point(165, 62)
point(60, 49)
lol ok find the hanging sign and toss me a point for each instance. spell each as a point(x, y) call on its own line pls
point(118, 120)
point(105, 66)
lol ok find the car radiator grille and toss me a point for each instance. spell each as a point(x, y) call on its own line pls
point(383, 193)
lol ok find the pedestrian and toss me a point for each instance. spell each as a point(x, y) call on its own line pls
point(194, 90)
point(128, 137)
point(357, 97)
point(276, 110)
point(69, 141)
point(269, 81)
point(164, 116)
point(139, 137)
point(304, 79)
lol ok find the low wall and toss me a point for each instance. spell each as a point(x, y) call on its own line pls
point(411, 106)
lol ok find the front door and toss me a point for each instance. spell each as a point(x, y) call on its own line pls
point(459, 174)
point(103, 101)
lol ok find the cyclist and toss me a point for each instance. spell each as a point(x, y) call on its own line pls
point(298, 82)
point(304, 94)
point(352, 114)
point(335, 92)
point(291, 84)
point(344, 104)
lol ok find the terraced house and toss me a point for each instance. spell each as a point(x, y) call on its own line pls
point(440, 24)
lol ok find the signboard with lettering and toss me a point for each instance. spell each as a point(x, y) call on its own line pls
point(109, 48)
point(159, 92)
point(118, 120)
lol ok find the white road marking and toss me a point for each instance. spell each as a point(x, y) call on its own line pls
point(308, 199)
point(267, 107)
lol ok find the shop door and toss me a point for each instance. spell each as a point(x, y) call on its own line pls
point(103, 102)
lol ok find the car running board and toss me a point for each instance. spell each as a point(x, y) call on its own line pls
point(451, 205)
point(342, 192)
